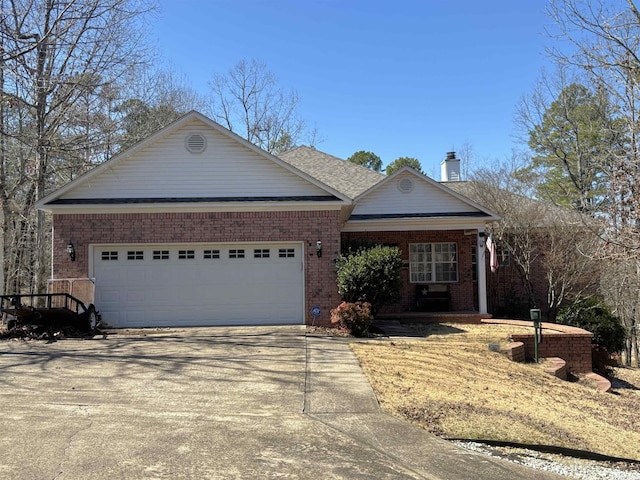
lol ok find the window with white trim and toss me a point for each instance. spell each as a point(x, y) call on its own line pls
point(135, 255)
point(161, 254)
point(286, 252)
point(186, 254)
point(261, 253)
point(433, 262)
point(211, 254)
point(236, 253)
point(110, 255)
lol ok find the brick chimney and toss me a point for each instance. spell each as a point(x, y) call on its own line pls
point(450, 168)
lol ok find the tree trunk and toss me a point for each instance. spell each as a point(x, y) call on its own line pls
point(4, 203)
point(42, 82)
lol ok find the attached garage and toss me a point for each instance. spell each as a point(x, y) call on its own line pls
point(199, 284)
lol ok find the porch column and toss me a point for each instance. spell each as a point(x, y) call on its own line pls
point(482, 274)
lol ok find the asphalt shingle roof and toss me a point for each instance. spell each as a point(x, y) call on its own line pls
point(348, 178)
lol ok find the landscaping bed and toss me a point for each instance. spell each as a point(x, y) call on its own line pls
point(450, 383)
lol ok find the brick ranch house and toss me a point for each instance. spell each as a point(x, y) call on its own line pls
point(196, 226)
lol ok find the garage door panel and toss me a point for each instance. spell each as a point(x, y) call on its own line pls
point(238, 272)
point(274, 295)
point(176, 291)
point(265, 275)
point(163, 275)
point(110, 295)
point(135, 274)
point(192, 295)
point(135, 317)
point(135, 296)
point(160, 296)
point(113, 315)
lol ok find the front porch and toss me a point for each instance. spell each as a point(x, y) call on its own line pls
point(443, 271)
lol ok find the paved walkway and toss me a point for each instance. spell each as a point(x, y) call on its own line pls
point(339, 396)
point(217, 403)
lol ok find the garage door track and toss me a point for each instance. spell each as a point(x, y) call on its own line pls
point(210, 403)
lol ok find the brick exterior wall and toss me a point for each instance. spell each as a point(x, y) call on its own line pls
point(204, 227)
point(573, 348)
point(463, 292)
point(571, 344)
point(507, 295)
point(515, 352)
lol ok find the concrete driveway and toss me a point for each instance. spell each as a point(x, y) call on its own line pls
point(216, 403)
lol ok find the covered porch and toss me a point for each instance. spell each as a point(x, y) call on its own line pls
point(443, 273)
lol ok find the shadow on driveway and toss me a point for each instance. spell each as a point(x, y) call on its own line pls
point(219, 403)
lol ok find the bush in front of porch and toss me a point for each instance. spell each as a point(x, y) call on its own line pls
point(370, 275)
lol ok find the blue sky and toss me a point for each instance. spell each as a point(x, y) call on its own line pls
point(398, 78)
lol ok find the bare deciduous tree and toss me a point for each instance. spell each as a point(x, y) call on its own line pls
point(604, 47)
point(547, 243)
point(499, 190)
point(249, 101)
point(58, 60)
point(157, 99)
point(569, 261)
point(620, 287)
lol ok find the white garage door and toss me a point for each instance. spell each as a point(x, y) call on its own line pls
point(188, 285)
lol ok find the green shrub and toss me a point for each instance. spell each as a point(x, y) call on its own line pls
point(355, 317)
point(593, 315)
point(370, 275)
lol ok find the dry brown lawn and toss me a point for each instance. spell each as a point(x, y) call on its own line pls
point(448, 382)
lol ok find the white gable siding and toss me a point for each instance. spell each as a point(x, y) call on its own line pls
point(167, 169)
point(424, 198)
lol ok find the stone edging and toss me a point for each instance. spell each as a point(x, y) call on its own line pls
point(602, 384)
point(556, 366)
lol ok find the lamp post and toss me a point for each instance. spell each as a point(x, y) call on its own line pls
point(535, 316)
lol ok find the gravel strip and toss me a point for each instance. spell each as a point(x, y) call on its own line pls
point(559, 464)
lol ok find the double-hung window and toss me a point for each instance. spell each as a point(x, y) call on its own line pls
point(433, 262)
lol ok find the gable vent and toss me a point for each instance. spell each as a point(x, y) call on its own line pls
point(405, 185)
point(196, 143)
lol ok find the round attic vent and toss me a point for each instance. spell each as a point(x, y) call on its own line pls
point(405, 185)
point(195, 143)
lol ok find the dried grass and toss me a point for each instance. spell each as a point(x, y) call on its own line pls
point(448, 382)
